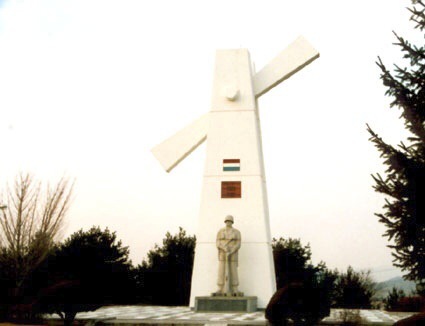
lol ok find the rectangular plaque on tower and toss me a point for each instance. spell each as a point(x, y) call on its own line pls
point(231, 189)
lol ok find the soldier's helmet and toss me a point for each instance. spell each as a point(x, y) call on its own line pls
point(229, 218)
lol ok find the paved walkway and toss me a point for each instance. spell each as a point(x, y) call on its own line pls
point(183, 315)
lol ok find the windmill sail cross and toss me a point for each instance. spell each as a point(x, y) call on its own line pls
point(175, 148)
point(296, 56)
point(234, 179)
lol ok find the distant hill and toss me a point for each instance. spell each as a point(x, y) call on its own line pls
point(384, 287)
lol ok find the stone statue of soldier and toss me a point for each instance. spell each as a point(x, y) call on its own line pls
point(228, 243)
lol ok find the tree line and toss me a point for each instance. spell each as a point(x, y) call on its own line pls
point(40, 274)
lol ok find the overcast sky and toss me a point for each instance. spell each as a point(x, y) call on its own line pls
point(87, 88)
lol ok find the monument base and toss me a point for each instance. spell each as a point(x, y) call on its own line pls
point(225, 303)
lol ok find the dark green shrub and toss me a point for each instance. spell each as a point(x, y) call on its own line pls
point(391, 302)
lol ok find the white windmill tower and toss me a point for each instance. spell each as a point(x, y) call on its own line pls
point(234, 180)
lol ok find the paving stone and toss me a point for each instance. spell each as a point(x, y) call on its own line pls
point(173, 315)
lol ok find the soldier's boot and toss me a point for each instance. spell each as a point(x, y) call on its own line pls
point(220, 290)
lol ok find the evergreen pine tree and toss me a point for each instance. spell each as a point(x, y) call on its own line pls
point(404, 183)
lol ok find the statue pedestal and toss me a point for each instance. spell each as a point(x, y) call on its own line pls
point(225, 303)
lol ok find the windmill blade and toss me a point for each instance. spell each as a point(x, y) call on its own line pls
point(295, 57)
point(174, 149)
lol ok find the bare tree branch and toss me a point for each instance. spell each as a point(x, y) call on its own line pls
point(32, 221)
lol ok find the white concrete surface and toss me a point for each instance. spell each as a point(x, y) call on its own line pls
point(295, 57)
point(174, 149)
